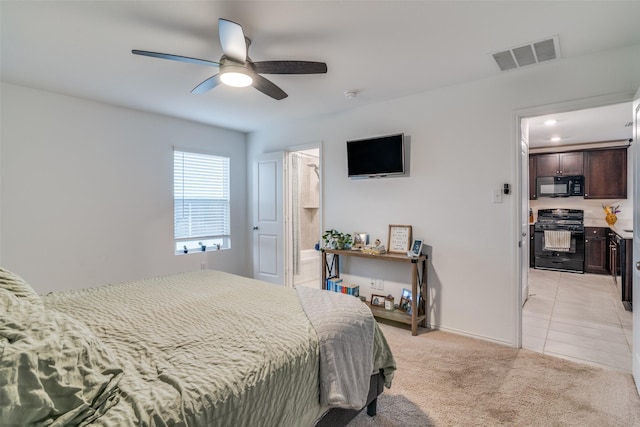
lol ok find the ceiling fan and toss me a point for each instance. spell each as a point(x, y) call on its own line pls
point(236, 69)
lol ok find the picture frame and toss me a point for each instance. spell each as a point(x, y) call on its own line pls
point(416, 247)
point(399, 238)
point(405, 301)
point(360, 240)
point(377, 300)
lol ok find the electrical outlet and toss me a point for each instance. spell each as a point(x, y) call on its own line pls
point(203, 266)
point(380, 284)
point(496, 195)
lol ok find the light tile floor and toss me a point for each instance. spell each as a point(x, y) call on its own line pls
point(578, 317)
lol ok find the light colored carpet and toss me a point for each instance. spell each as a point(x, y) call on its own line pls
point(445, 379)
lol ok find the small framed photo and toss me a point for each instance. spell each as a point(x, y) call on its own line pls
point(416, 247)
point(405, 301)
point(377, 300)
point(360, 240)
point(399, 238)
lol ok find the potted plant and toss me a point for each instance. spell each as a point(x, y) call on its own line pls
point(333, 239)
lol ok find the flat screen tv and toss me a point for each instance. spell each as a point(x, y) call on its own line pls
point(376, 157)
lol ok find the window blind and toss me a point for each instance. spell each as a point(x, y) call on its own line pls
point(201, 196)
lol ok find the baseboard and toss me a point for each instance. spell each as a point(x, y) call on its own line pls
point(471, 335)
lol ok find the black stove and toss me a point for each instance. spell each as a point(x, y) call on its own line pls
point(560, 219)
point(571, 257)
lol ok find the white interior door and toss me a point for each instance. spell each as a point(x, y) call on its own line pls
point(636, 241)
point(524, 219)
point(268, 218)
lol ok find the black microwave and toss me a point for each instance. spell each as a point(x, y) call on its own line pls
point(560, 186)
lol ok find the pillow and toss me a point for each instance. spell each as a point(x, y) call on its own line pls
point(17, 286)
point(53, 369)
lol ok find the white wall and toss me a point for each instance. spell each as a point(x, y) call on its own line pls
point(87, 191)
point(463, 144)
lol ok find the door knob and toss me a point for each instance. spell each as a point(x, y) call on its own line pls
point(255, 227)
point(638, 265)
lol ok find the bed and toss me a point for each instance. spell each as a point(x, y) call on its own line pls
point(203, 348)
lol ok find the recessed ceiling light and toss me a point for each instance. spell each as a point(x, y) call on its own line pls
point(555, 138)
point(550, 122)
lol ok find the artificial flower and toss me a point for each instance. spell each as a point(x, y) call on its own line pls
point(611, 209)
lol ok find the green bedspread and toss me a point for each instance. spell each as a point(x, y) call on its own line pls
point(206, 348)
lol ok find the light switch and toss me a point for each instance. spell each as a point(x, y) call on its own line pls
point(496, 195)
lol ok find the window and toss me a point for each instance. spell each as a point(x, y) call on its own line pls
point(201, 202)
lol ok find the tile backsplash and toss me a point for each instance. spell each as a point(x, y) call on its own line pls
point(592, 208)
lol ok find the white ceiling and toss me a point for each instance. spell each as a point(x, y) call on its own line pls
point(610, 123)
point(382, 49)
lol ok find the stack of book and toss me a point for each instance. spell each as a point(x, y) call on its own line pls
point(334, 284)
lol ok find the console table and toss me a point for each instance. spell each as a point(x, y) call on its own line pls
point(418, 279)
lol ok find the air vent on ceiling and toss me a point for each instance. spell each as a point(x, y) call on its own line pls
point(529, 54)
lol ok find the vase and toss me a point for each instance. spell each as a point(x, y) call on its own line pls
point(611, 218)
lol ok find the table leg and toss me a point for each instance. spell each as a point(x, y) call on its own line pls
point(414, 297)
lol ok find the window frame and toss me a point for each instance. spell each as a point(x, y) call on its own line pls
point(211, 241)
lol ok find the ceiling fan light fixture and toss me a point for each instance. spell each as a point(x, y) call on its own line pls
point(235, 76)
point(236, 79)
point(236, 69)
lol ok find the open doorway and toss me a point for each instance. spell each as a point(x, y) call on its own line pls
point(576, 315)
point(303, 227)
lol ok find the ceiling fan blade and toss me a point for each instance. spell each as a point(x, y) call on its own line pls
point(290, 67)
point(268, 88)
point(207, 85)
point(175, 58)
point(232, 40)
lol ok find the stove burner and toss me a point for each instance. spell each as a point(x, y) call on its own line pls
point(560, 219)
point(571, 214)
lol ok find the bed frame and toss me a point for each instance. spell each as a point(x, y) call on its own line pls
point(341, 417)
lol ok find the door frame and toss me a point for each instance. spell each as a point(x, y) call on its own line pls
point(525, 239)
point(288, 238)
point(519, 115)
point(635, 348)
point(288, 251)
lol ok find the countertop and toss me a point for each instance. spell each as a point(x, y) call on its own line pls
point(619, 227)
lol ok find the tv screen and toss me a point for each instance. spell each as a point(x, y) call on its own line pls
point(376, 157)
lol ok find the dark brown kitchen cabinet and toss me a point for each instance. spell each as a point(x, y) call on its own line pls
point(596, 248)
point(621, 267)
point(605, 174)
point(532, 253)
point(532, 177)
point(626, 274)
point(570, 163)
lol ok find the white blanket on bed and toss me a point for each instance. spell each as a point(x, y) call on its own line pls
point(345, 331)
